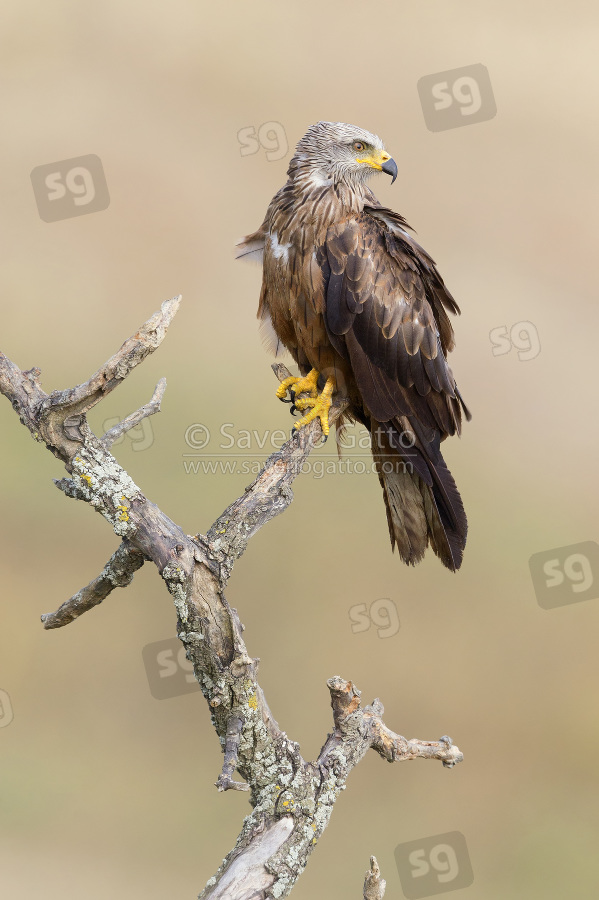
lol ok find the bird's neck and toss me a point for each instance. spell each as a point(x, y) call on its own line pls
point(328, 199)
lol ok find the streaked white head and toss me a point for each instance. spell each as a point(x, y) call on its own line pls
point(332, 152)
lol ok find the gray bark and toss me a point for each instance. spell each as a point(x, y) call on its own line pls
point(292, 798)
point(374, 885)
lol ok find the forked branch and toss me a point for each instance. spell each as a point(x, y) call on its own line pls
point(292, 799)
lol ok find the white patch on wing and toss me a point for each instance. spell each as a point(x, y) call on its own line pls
point(279, 251)
point(270, 340)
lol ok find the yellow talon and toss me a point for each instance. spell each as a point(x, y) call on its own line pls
point(320, 407)
point(299, 385)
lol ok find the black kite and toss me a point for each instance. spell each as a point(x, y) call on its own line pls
point(363, 311)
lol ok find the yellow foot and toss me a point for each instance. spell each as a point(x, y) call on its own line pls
point(297, 386)
point(319, 408)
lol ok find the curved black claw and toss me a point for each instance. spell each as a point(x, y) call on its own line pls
point(293, 410)
point(284, 400)
point(325, 439)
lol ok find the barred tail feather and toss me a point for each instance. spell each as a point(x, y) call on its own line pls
point(421, 499)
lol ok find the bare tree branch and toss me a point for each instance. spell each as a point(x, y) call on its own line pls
point(133, 352)
point(135, 418)
point(225, 779)
point(349, 717)
point(118, 572)
point(374, 885)
point(269, 494)
point(292, 799)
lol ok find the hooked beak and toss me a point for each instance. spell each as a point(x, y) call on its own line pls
point(390, 168)
point(382, 161)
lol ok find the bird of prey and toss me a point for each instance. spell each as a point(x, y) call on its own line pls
point(364, 312)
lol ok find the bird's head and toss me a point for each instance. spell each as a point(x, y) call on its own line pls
point(334, 151)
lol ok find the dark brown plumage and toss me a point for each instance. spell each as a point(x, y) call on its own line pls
point(348, 291)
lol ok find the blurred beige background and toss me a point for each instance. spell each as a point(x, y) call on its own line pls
point(106, 791)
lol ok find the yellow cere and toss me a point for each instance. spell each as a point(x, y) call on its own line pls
point(376, 160)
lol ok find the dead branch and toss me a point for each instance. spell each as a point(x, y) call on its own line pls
point(150, 409)
point(269, 494)
point(292, 799)
point(225, 779)
point(118, 572)
point(374, 885)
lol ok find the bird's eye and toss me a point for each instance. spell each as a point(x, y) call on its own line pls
point(358, 145)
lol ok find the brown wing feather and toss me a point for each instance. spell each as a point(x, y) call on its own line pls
point(360, 299)
point(403, 246)
point(384, 312)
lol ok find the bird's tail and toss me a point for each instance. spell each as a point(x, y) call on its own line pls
point(421, 498)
